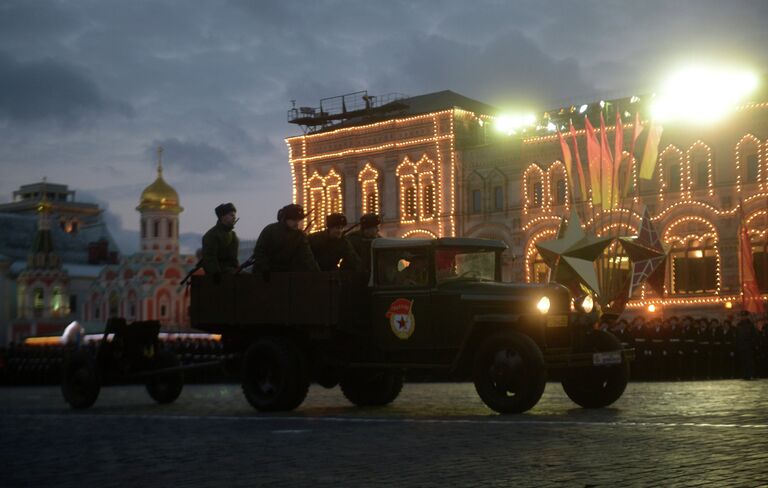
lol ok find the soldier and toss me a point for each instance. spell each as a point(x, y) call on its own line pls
point(746, 339)
point(331, 249)
point(361, 239)
point(220, 243)
point(282, 246)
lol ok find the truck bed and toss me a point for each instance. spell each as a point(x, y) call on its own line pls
point(332, 298)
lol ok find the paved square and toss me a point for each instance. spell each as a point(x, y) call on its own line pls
point(438, 434)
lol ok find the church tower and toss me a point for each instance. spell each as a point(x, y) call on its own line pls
point(159, 208)
point(43, 286)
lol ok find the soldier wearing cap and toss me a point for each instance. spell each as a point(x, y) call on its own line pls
point(331, 248)
point(282, 246)
point(220, 243)
point(361, 240)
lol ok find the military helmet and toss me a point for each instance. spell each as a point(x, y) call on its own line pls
point(224, 209)
point(335, 220)
point(292, 211)
point(369, 220)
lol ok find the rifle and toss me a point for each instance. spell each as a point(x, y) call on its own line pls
point(191, 272)
point(350, 229)
point(246, 264)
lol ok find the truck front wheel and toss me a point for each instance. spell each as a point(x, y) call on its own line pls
point(274, 375)
point(509, 372)
point(372, 388)
point(597, 386)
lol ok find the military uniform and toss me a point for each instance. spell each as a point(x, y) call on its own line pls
point(220, 248)
point(329, 251)
point(281, 248)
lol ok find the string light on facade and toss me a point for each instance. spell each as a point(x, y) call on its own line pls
point(531, 251)
point(740, 153)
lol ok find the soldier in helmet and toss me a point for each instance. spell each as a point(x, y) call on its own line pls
point(361, 239)
point(282, 246)
point(331, 249)
point(220, 243)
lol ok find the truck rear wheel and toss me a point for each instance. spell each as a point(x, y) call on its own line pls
point(372, 388)
point(166, 387)
point(274, 375)
point(597, 386)
point(80, 381)
point(509, 372)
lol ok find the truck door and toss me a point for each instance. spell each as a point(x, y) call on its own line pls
point(401, 311)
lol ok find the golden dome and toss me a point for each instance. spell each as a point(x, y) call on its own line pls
point(159, 195)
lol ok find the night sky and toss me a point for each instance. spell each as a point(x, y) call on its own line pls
point(89, 89)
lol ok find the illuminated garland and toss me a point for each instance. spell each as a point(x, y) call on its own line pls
point(413, 232)
point(558, 167)
point(325, 197)
point(453, 172)
point(665, 163)
point(689, 183)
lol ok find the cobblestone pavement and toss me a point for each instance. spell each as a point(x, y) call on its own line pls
point(657, 434)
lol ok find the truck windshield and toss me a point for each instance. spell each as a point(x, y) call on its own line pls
point(465, 264)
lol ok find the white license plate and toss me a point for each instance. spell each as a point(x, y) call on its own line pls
point(603, 358)
point(557, 321)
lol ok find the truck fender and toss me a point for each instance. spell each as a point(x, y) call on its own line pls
point(482, 326)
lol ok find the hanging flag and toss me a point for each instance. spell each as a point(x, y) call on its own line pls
point(593, 161)
point(636, 130)
point(579, 167)
point(606, 166)
point(651, 152)
point(750, 291)
point(618, 152)
point(566, 159)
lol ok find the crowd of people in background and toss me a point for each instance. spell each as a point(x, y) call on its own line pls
point(668, 349)
point(695, 348)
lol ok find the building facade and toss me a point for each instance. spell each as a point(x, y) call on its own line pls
point(437, 168)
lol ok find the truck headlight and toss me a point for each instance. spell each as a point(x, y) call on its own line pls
point(587, 304)
point(543, 305)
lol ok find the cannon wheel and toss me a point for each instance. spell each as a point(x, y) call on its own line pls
point(509, 372)
point(597, 386)
point(166, 387)
point(275, 375)
point(372, 388)
point(80, 380)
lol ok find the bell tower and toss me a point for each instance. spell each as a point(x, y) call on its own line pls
point(159, 208)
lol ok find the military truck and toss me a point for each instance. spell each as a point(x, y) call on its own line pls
point(434, 304)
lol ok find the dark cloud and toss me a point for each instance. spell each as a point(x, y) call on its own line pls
point(195, 157)
point(47, 89)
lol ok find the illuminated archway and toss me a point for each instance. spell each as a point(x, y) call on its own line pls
point(536, 270)
point(749, 162)
point(533, 187)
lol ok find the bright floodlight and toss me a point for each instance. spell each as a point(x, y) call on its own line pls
point(701, 94)
point(510, 124)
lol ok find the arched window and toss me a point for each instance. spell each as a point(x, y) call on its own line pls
point(699, 158)
point(369, 189)
point(38, 299)
point(757, 223)
point(143, 229)
point(419, 197)
point(748, 165)
point(410, 203)
point(694, 260)
point(536, 270)
point(533, 187)
point(170, 228)
point(670, 169)
point(560, 191)
point(156, 229)
point(56, 301)
point(114, 305)
point(538, 194)
point(325, 197)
